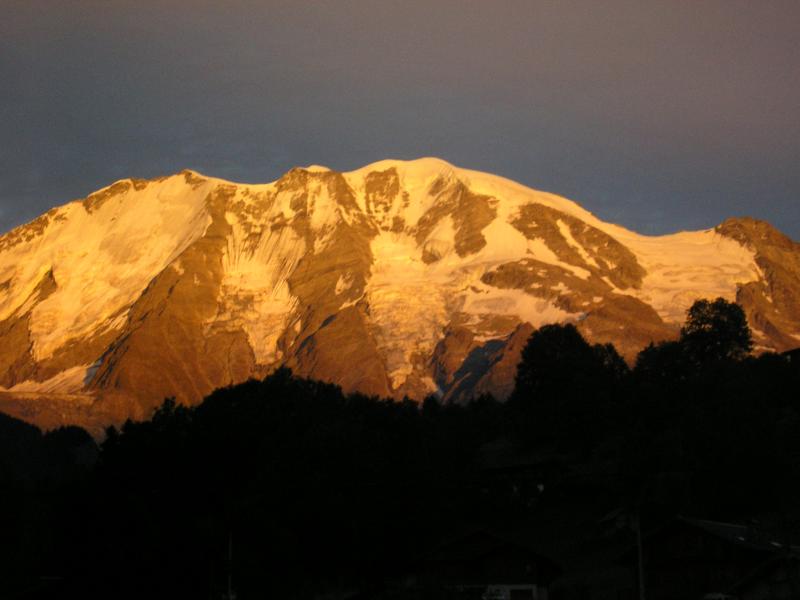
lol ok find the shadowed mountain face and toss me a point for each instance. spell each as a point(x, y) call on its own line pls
point(400, 278)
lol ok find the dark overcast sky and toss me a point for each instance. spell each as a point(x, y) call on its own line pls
point(657, 115)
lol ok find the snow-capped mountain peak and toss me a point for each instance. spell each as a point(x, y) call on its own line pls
point(398, 278)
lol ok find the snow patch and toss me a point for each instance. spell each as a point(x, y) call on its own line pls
point(255, 294)
point(344, 283)
point(441, 240)
point(489, 300)
point(686, 266)
point(101, 261)
point(408, 303)
point(66, 382)
point(566, 233)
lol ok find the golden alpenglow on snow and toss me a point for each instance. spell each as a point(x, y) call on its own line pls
point(427, 277)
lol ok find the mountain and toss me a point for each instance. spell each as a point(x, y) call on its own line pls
point(399, 278)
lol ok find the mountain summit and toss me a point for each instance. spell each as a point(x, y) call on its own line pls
point(402, 278)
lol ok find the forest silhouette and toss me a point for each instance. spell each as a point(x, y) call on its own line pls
point(289, 487)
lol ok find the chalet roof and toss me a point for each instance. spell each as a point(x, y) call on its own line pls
point(747, 537)
point(750, 536)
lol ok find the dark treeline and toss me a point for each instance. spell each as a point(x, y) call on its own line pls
point(315, 492)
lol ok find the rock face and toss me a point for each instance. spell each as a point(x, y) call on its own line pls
point(397, 279)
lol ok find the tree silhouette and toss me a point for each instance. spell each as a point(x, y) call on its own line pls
point(555, 359)
point(716, 331)
point(564, 385)
point(662, 363)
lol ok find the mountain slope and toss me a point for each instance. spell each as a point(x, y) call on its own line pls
point(400, 278)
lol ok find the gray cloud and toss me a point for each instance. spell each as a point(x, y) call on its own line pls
point(658, 115)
